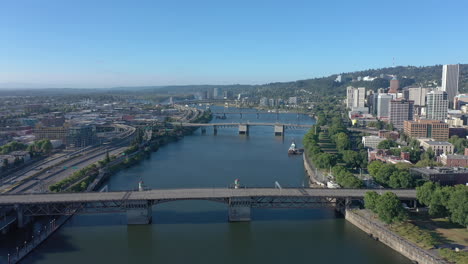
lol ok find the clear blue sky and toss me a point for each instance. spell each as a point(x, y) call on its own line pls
point(106, 43)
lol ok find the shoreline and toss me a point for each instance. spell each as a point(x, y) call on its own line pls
point(378, 231)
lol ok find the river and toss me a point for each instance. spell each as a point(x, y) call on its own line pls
point(198, 231)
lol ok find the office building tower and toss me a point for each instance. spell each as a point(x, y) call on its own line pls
point(383, 105)
point(450, 74)
point(418, 95)
point(349, 97)
point(437, 105)
point(355, 97)
point(400, 111)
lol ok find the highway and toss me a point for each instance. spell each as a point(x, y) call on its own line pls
point(38, 177)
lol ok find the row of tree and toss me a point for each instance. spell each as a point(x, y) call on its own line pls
point(12, 146)
point(445, 201)
point(40, 147)
point(345, 178)
point(329, 116)
point(390, 175)
point(387, 206)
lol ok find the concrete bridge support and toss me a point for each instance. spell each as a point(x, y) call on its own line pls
point(215, 130)
point(22, 220)
point(139, 213)
point(239, 209)
point(243, 129)
point(203, 130)
point(279, 130)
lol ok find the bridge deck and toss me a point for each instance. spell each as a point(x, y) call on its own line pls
point(192, 194)
point(237, 124)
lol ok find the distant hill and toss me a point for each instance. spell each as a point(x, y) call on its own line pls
point(427, 76)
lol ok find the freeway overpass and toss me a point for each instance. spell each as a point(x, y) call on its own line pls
point(137, 204)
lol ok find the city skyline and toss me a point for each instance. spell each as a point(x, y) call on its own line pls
point(104, 44)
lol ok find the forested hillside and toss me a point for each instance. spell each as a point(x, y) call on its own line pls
point(429, 76)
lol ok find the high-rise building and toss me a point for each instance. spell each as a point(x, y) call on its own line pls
point(349, 97)
point(215, 93)
point(418, 95)
point(400, 111)
point(394, 85)
point(437, 105)
point(355, 97)
point(359, 97)
point(383, 105)
point(423, 128)
point(450, 74)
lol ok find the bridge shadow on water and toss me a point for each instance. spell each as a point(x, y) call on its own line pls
point(57, 243)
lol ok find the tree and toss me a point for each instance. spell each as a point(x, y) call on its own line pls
point(458, 205)
point(342, 141)
point(387, 144)
point(47, 146)
point(374, 167)
point(324, 160)
point(389, 208)
point(428, 163)
point(439, 201)
point(351, 158)
point(414, 144)
point(5, 163)
point(371, 199)
point(390, 126)
point(424, 192)
point(401, 179)
point(428, 154)
point(383, 175)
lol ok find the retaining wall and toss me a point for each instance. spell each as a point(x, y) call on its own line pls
point(393, 240)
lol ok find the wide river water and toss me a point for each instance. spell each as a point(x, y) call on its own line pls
point(198, 231)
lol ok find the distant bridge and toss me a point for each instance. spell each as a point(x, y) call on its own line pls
point(279, 128)
point(137, 204)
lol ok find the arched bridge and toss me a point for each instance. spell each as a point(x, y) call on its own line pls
point(279, 128)
point(138, 204)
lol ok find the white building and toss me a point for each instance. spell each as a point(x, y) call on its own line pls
point(371, 141)
point(383, 105)
point(418, 95)
point(450, 74)
point(437, 105)
point(438, 147)
point(292, 100)
point(355, 97)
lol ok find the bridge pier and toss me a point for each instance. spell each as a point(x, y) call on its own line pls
point(279, 130)
point(22, 220)
point(215, 130)
point(139, 213)
point(239, 209)
point(203, 130)
point(243, 129)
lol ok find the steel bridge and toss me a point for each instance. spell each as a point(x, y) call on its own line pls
point(137, 204)
point(279, 128)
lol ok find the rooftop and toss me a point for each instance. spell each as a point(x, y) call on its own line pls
point(438, 143)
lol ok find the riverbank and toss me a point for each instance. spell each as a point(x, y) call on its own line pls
point(92, 176)
point(312, 173)
point(378, 231)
